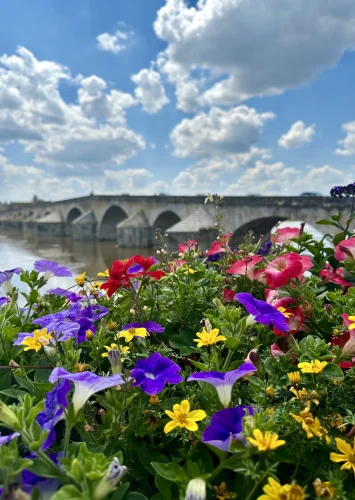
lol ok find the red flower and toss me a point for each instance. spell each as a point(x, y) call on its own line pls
point(228, 295)
point(220, 245)
point(328, 274)
point(345, 250)
point(188, 246)
point(284, 235)
point(286, 267)
point(118, 276)
point(146, 263)
point(245, 266)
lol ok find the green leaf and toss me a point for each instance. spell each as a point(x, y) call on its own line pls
point(257, 382)
point(325, 222)
point(338, 238)
point(148, 455)
point(13, 393)
point(333, 371)
point(134, 495)
point(120, 492)
point(183, 341)
point(232, 343)
point(171, 472)
point(164, 487)
point(67, 492)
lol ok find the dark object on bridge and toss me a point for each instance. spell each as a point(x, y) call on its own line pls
point(311, 194)
point(343, 191)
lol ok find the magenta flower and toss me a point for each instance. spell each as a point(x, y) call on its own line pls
point(51, 268)
point(226, 425)
point(345, 250)
point(153, 373)
point(223, 382)
point(263, 313)
point(284, 235)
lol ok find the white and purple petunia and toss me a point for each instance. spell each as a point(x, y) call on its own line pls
point(150, 326)
point(70, 296)
point(226, 425)
point(85, 384)
point(51, 268)
point(263, 313)
point(153, 373)
point(8, 438)
point(6, 277)
point(223, 382)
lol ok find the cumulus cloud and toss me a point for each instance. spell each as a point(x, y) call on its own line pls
point(298, 136)
point(91, 133)
point(150, 91)
point(133, 181)
point(219, 132)
point(348, 144)
point(241, 54)
point(115, 43)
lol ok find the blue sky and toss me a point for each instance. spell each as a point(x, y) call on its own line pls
point(144, 97)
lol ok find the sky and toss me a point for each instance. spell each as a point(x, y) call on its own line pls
point(234, 97)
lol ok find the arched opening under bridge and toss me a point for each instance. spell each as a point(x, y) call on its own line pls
point(113, 216)
point(258, 227)
point(165, 220)
point(73, 214)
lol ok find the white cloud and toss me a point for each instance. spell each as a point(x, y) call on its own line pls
point(298, 136)
point(348, 144)
point(134, 181)
point(219, 132)
point(250, 48)
point(90, 134)
point(113, 43)
point(150, 91)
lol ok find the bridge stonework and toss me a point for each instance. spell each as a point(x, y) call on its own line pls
point(132, 220)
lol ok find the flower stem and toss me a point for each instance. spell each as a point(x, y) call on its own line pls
point(228, 359)
point(255, 487)
point(66, 439)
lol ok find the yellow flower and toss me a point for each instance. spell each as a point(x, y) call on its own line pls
point(124, 349)
point(111, 325)
point(265, 441)
point(104, 274)
point(153, 400)
point(294, 377)
point(315, 366)
point(206, 338)
point(129, 334)
point(270, 391)
point(81, 279)
point(323, 488)
point(336, 332)
point(182, 417)
point(275, 491)
point(304, 395)
point(222, 493)
point(352, 325)
point(336, 420)
point(283, 311)
point(115, 347)
point(348, 455)
point(311, 425)
point(89, 334)
point(40, 339)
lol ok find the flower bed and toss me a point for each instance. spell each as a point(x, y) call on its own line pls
point(221, 374)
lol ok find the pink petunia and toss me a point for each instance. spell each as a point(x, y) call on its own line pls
point(276, 351)
point(188, 246)
point(220, 245)
point(245, 267)
point(284, 268)
point(345, 250)
point(285, 235)
point(329, 275)
point(176, 264)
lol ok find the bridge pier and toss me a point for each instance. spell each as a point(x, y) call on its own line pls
point(135, 232)
point(84, 227)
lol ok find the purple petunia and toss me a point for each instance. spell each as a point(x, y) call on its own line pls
point(5, 278)
point(51, 268)
point(150, 326)
point(85, 384)
point(8, 438)
point(153, 373)
point(56, 401)
point(223, 382)
point(263, 313)
point(47, 486)
point(70, 296)
point(138, 268)
point(3, 301)
point(226, 425)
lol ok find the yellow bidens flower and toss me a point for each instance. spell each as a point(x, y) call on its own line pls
point(153, 400)
point(115, 347)
point(304, 395)
point(111, 325)
point(182, 417)
point(104, 274)
point(315, 366)
point(129, 334)
point(81, 279)
point(89, 334)
point(311, 425)
point(206, 338)
point(323, 488)
point(222, 493)
point(347, 456)
point(283, 311)
point(294, 377)
point(277, 491)
point(40, 339)
point(352, 325)
point(270, 391)
point(266, 441)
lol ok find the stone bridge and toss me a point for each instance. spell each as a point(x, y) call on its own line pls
point(131, 221)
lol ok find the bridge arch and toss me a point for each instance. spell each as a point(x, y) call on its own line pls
point(73, 214)
point(258, 226)
point(113, 216)
point(165, 220)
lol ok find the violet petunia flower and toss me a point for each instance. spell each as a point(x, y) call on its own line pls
point(70, 296)
point(51, 268)
point(150, 326)
point(85, 384)
point(47, 486)
point(3, 301)
point(56, 401)
point(263, 313)
point(223, 382)
point(138, 268)
point(5, 278)
point(153, 373)
point(8, 438)
point(226, 425)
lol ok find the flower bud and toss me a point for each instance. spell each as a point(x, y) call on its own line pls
point(81, 279)
point(114, 358)
point(115, 473)
point(101, 412)
point(154, 400)
point(196, 489)
point(8, 417)
point(158, 252)
point(111, 325)
point(89, 334)
point(144, 308)
point(276, 351)
point(270, 391)
point(132, 311)
point(294, 377)
point(166, 235)
point(88, 428)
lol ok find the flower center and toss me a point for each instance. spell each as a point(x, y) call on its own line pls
point(281, 265)
point(132, 331)
point(42, 340)
point(150, 375)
